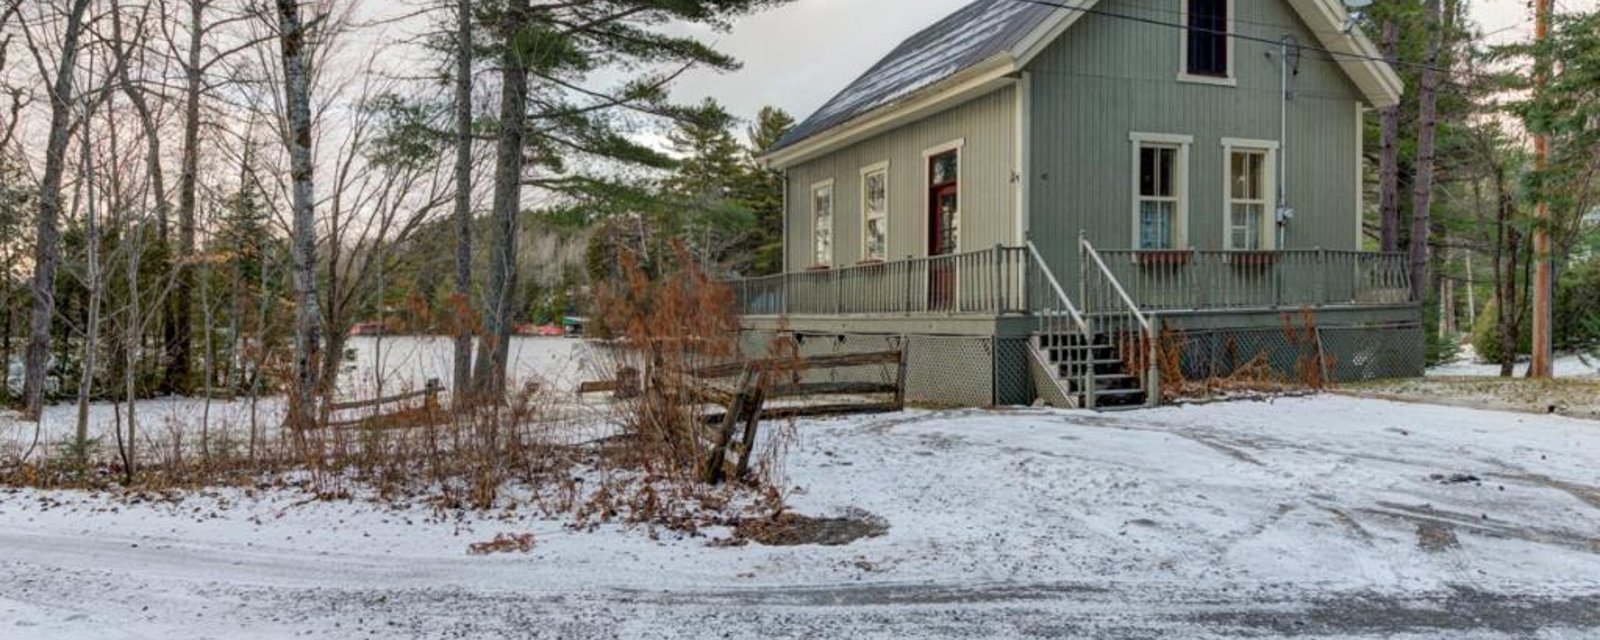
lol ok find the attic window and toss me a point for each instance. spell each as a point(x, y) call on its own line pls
point(1206, 44)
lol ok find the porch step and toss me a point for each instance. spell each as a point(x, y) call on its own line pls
point(1071, 355)
point(1119, 398)
point(1104, 383)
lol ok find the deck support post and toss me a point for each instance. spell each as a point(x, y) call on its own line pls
point(1152, 374)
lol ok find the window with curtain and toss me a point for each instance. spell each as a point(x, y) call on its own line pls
point(1158, 197)
point(1248, 200)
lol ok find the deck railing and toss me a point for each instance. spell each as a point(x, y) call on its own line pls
point(1202, 280)
point(1001, 280)
point(977, 282)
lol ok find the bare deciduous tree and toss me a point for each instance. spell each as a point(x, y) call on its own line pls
point(47, 248)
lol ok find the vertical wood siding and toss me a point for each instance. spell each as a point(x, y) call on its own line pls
point(1107, 77)
point(988, 188)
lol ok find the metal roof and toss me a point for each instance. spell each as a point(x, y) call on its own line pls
point(961, 40)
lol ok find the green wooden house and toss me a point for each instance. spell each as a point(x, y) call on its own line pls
point(1058, 200)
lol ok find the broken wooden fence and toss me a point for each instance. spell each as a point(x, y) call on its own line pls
point(402, 416)
point(761, 381)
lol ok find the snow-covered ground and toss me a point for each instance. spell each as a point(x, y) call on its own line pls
point(409, 362)
point(378, 367)
point(1324, 516)
point(1467, 365)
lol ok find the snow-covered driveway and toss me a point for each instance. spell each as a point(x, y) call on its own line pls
point(1326, 516)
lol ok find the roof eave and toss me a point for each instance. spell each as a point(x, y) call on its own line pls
point(1355, 53)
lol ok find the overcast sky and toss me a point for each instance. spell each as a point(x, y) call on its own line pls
point(798, 56)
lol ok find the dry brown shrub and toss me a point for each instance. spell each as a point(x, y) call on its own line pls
point(631, 462)
point(1254, 374)
point(670, 328)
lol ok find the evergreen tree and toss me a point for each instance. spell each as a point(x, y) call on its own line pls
point(762, 191)
point(557, 132)
point(706, 213)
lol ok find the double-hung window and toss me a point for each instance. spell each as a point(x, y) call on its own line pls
point(822, 224)
point(1250, 195)
point(1160, 191)
point(875, 213)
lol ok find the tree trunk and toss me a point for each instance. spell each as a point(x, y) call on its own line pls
point(463, 202)
point(180, 355)
point(308, 318)
point(47, 250)
point(489, 373)
point(1427, 124)
point(91, 339)
point(1505, 264)
point(1389, 157)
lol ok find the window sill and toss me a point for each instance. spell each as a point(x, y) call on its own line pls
point(818, 267)
point(870, 263)
point(1210, 80)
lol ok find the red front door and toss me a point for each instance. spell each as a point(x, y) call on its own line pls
point(944, 214)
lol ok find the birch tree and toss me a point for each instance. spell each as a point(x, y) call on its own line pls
point(293, 43)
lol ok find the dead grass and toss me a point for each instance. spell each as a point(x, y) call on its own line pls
point(1254, 373)
point(793, 529)
point(503, 543)
point(1566, 397)
point(632, 462)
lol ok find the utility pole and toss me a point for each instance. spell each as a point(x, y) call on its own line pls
point(1544, 280)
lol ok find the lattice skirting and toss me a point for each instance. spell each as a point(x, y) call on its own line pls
point(987, 371)
point(1338, 353)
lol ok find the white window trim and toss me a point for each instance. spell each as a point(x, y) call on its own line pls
point(1269, 188)
point(887, 196)
point(959, 146)
point(1232, 79)
point(1180, 186)
point(833, 224)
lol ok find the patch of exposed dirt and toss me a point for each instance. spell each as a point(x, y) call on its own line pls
point(1435, 537)
point(793, 529)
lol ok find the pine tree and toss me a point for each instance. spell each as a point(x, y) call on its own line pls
point(564, 129)
point(705, 212)
point(762, 190)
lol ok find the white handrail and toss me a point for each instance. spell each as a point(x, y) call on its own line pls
point(1055, 285)
point(1116, 285)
